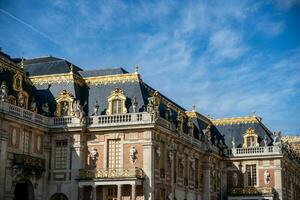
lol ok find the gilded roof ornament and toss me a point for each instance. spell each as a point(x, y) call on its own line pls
point(236, 120)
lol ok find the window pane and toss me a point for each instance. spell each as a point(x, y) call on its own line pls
point(61, 154)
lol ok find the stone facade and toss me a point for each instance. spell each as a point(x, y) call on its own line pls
point(132, 143)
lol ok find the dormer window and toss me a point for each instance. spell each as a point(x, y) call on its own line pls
point(64, 104)
point(250, 138)
point(116, 102)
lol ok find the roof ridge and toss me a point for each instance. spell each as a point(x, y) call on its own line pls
point(236, 120)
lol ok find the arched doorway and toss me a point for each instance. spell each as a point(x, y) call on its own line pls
point(59, 196)
point(24, 190)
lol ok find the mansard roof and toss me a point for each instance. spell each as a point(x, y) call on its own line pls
point(48, 65)
point(103, 72)
point(236, 127)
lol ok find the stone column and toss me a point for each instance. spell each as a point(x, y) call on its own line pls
point(81, 193)
point(148, 167)
point(3, 155)
point(278, 177)
point(206, 181)
point(94, 192)
point(133, 192)
point(119, 192)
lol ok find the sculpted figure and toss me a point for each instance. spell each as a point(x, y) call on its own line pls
point(267, 177)
point(96, 109)
point(235, 179)
point(3, 91)
point(94, 157)
point(233, 142)
point(265, 141)
point(133, 153)
point(46, 109)
point(134, 105)
point(65, 109)
point(20, 100)
point(33, 105)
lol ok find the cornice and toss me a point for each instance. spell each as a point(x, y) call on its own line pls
point(57, 78)
point(291, 139)
point(112, 79)
point(236, 120)
point(6, 64)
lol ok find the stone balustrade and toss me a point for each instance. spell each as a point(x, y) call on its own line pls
point(254, 151)
point(23, 114)
point(250, 191)
point(72, 121)
point(111, 173)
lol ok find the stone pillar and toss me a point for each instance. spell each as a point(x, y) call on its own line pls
point(119, 192)
point(81, 193)
point(94, 192)
point(148, 167)
point(206, 181)
point(3, 155)
point(133, 192)
point(278, 177)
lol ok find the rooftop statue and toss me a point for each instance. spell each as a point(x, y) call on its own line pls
point(3, 91)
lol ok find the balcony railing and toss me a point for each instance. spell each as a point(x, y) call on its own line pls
point(250, 191)
point(111, 173)
point(254, 151)
point(72, 121)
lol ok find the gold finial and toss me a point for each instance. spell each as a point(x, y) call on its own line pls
point(194, 108)
point(136, 70)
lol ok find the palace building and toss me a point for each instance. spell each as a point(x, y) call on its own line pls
point(73, 134)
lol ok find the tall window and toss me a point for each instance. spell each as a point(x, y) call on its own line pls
point(116, 106)
point(114, 154)
point(251, 173)
point(26, 146)
point(61, 154)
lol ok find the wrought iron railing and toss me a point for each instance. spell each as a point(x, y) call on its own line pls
point(111, 173)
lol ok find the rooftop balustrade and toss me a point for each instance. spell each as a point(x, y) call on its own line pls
point(72, 121)
point(254, 151)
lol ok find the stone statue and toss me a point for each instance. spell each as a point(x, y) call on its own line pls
point(235, 179)
point(265, 141)
point(46, 109)
point(20, 100)
point(277, 138)
point(207, 133)
point(233, 142)
point(78, 109)
point(170, 196)
point(3, 91)
point(134, 105)
point(133, 152)
point(94, 157)
point(157, 151)
point(33, 105)
point(170, 155)
point(65, 109)
point(96, 109)
point(267, 177)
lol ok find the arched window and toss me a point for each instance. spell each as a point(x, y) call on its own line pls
point(59, 196)
point(116, 102)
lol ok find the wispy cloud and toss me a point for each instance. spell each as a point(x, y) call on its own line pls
point(223, 57)
point(26, 24)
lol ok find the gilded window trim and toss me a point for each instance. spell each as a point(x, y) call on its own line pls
point(116, 94)
point(64, 96)
point(250, 132)
point(19, 77)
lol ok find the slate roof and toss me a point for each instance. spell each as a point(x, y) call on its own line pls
point(48, 65)
point(236, 127)
point(103, 72)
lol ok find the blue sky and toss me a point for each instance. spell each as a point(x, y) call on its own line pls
point(229, 58)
